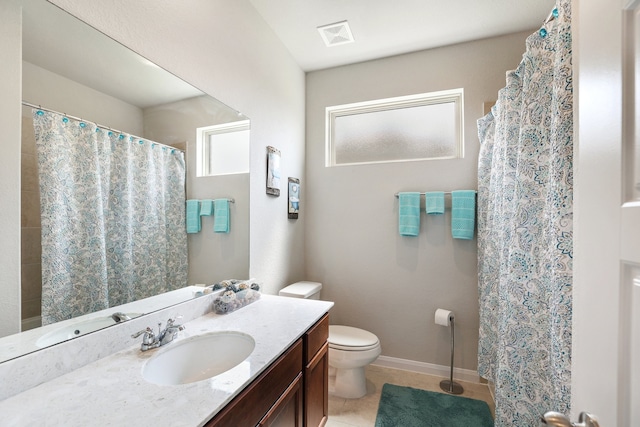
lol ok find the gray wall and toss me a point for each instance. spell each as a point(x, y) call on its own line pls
point(380, 281)
point(212, 256)
point(53, 91)
point(10, 83)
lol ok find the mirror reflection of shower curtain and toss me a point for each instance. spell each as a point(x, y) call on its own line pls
point(525, 232)
point(113, 215)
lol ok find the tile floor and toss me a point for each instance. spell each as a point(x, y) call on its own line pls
point(362, 412)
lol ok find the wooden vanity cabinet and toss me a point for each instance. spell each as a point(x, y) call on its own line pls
point(316, 374)
point(273, 399)
point(292, 392)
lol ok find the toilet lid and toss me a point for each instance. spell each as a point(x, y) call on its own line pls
point(350, 338)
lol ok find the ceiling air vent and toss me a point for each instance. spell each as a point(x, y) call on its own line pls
point(336, 34)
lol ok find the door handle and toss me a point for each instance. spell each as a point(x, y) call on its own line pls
point(586, 419)
point(556, 419)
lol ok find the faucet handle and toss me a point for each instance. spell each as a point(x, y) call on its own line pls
point(171, 321)
point(147, 331)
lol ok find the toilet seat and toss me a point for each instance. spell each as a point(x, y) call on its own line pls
point(348, 338)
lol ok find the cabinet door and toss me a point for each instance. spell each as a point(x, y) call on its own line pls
point(315, 338)
point(316, 390)
point(287, 411)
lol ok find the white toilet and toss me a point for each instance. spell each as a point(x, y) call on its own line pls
point(350, 349)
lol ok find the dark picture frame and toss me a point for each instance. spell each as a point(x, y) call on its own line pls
point(293, 202)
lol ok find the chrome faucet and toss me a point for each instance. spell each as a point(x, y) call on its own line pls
point(170, 331)
point(150, 340)
point(120, 317)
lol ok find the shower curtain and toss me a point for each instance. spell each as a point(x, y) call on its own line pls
point(113, 215)
point(525, 193)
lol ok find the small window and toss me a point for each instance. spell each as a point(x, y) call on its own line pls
point(416, 127)
point(223, 149)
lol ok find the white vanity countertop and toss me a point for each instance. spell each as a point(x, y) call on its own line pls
point(112, 391)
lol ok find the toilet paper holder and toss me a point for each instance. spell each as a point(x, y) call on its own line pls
point(444, 318)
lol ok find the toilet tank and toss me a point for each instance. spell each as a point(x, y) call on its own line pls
point(310, 290)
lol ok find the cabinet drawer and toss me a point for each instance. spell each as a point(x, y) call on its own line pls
point(315, 338)
point(250, 406)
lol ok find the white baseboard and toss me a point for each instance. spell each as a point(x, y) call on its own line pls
point(428, 368)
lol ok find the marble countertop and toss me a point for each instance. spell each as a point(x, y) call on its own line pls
point(112, 391)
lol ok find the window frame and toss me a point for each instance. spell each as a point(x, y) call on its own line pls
point(418, 100)
point(203, 147)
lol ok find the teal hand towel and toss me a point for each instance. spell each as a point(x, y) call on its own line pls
point(193, 216)
point(206, 207)
point(463, 214)
point(434, 202)
point(409, 214)
point(221, 216)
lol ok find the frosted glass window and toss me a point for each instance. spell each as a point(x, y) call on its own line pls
point(418, 127)
point(223, 149)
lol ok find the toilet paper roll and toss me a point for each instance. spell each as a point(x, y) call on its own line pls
point(443, 317)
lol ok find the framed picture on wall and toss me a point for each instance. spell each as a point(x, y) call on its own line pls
point(273, 171)
point(294, 198)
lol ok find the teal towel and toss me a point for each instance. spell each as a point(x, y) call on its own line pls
point(434, 202)
point(193, 216)
point(221, 216)
point(463, 214)
point(409, 214)
point(206, 207)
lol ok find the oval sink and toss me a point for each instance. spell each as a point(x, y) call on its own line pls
point(198, 358)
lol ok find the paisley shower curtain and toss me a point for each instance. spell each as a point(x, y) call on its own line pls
point(525, 193)
point(113, 215)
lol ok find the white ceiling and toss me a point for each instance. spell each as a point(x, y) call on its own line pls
point(381, 28)
point(384, 28)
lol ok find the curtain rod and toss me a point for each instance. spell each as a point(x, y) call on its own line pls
point(39, 107)
point(230, 200)
point(552, 15)
point(424, 193)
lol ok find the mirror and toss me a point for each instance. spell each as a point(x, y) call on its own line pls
point(71, 68)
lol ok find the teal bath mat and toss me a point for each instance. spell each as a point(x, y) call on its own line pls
point(410, 407)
